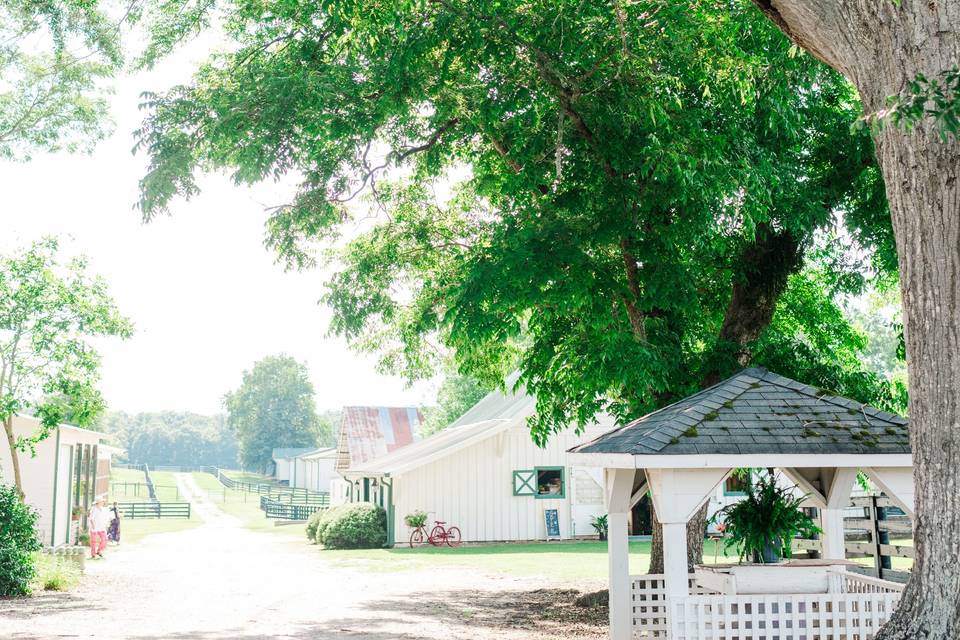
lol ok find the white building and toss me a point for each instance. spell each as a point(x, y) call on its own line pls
point(283, 461)
point(314, 470)
point(62, 475)
point(485, 475)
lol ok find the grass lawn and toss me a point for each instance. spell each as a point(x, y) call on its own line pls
point(166, 485)
point(245, 506)
point(566, 561)
point(249, 476)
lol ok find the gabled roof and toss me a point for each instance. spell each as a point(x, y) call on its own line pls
point(495, 412)
point(758, 412)
point(322, 452)
point(282, 453)
point(367, 433)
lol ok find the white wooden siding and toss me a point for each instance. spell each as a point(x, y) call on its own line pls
point(472, 488)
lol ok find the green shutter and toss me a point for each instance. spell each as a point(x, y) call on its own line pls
point(525, 482)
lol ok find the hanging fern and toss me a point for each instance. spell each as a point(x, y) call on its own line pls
point(767, 515)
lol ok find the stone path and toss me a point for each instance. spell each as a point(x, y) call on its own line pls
point(220, 580)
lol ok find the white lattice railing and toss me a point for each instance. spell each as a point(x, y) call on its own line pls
point(829, 616)
point(648, 597)
point(704, 615)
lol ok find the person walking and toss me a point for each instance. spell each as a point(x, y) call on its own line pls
point(97, 522)
point(113, 531)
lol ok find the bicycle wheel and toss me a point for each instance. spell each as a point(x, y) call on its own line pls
point(437, 535)
point(416, 537)
point(453, 537)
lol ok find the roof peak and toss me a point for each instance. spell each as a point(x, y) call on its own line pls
point(757, 411)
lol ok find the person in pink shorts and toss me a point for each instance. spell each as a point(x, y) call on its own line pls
point(97, 522)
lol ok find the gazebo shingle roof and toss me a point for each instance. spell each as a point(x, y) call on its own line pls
point(756, 412)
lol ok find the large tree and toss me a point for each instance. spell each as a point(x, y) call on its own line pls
point(273, 408)
point(49, 311)
point(903, 57)
point(644, 181)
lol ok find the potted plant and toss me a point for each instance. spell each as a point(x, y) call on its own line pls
point(599, 524)
point(416, 520)
point(76, 513)
point(762, 525)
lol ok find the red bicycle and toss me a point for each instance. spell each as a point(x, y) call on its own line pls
point(438, 536)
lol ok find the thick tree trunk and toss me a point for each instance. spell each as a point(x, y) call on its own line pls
point(881, 46)
point(696, 527)
point(761, 276)
point(14, 456)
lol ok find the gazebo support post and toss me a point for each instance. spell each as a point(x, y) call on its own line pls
point(838, 498)
point(677, 494)
point(675, 558)
point(618, 488)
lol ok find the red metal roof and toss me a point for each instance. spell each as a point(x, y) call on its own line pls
point(369, 432)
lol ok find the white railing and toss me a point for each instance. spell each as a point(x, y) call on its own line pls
point(829, 616)
point(706, 615)
point(858, 583)
point(648, 598)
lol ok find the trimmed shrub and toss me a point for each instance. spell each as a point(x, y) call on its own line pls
point(328, 516)
point(18, 542)
point(312, 523)
point(354, 526)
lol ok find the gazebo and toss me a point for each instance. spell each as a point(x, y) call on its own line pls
point(679, 454)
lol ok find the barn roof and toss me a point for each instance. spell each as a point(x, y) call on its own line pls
point(758, 412)
point(366, 433)
point(282, 453)
point(494, 413)
point(322, 452)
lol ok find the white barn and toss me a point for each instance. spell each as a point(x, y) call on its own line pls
point(283, 461)
point(485, 475)
point(314, 470)
point(62, 475)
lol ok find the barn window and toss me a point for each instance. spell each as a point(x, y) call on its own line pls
point(736, 485)
point(550, 482)
point(525, 482)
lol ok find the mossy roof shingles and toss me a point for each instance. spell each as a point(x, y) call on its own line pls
point(756, 411)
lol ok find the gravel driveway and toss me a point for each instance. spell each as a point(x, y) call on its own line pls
point(220, 580)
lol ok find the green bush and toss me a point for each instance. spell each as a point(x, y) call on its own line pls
point(354, 526)
point(55, 573)
point(312, 523)
point(18, 542)
point(328, 516)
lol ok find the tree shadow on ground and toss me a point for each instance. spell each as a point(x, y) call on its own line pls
point(542, 614)
point(45, 604)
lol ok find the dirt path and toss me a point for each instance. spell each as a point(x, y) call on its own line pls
point(220, 580)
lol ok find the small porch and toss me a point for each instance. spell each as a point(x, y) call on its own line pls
point(680, 454)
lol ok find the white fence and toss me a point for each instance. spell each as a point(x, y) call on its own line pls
point(854, 615)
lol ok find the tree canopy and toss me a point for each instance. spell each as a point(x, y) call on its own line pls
point(49, 311)
point(639, 188)
point(54, 58)
point(273, 408)
point(173, 438)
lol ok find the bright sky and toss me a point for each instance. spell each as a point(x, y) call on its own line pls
point(205, 295)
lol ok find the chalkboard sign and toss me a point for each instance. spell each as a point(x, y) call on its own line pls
point(552, 519)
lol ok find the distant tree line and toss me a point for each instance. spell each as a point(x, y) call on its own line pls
point(173, 438)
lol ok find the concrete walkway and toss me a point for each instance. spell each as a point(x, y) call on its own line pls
point(220, 580)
